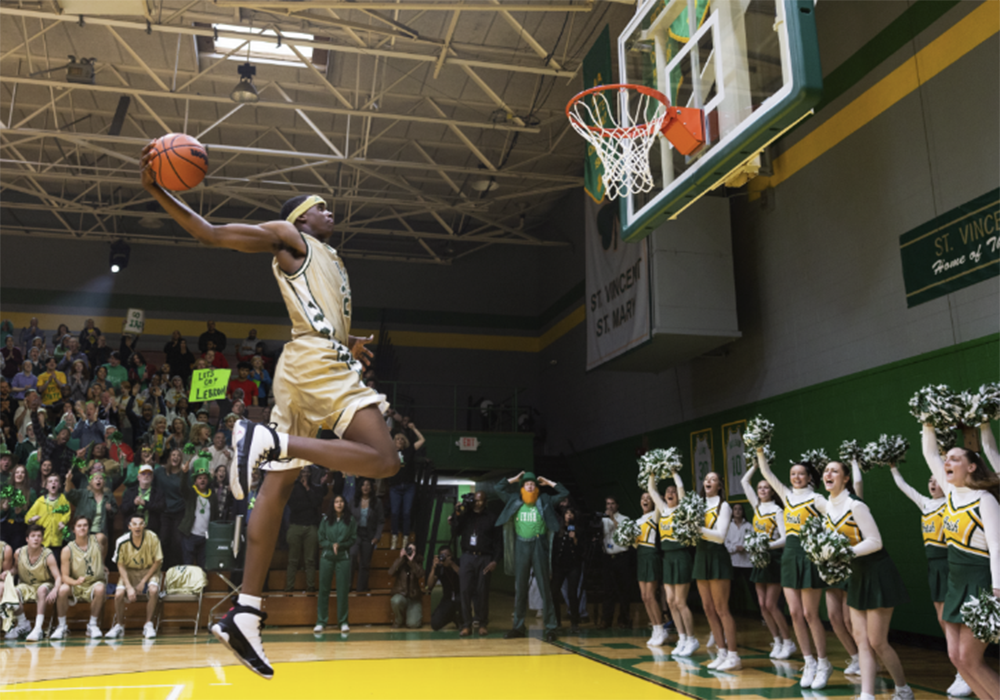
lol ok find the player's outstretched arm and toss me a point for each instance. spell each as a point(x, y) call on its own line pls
point(269, 237)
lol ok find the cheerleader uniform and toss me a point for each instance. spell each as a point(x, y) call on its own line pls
point(971, 526)
point(649, 560)
point(676, 557)
point(800, 504)
point(711, 559)
point(935, 546)
point(769, 520)
point(875, 581)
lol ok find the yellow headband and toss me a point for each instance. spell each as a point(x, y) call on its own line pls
point(310, 201)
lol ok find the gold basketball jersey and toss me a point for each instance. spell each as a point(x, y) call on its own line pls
point(88, 563)
point(33, 573)
point(141, 557)
point(318, 295)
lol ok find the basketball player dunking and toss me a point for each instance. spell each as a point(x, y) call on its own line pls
point(317, 384)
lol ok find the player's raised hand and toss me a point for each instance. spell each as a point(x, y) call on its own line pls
point(358, 350)
point(147, 176)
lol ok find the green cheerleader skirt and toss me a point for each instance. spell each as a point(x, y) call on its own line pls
point(712, 562)
point(676, 566)
point(937, 572)
point(875, 582)
point(770, 573)
point(796, 569)
point(648, 563)
point(966, 577)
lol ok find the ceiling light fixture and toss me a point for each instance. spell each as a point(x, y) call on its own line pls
point(484, 185)
point(119, 256)
point(245, 91)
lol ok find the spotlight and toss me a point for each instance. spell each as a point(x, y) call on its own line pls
point(119, 256)
point(245, 92)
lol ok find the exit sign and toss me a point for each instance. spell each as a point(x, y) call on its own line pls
point(468, 444)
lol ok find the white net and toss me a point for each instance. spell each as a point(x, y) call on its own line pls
point(622, 144)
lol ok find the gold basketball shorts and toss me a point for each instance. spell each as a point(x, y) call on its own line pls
point(318, 385)
point(83, 593)
point(29, 591)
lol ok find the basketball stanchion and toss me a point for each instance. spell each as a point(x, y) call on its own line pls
point(623, 138)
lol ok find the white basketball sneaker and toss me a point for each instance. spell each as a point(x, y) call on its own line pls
point(254, 444)
point(59, 632)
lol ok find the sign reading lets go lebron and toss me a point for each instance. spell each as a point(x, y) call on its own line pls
point(952, 251)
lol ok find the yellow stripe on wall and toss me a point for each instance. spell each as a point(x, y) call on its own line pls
point(968, 33)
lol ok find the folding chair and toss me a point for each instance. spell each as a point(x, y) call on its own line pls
point(166, 596)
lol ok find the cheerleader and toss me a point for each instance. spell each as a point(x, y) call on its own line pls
point(972, 530)
point(768, 519)
point(836, 600)
point(676, 565)
point(874, 587)
point(800, 581)
point(713, 570)
point(649, 565)
point(936, 549)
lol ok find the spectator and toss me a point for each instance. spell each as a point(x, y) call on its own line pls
point(144, 499)
point(157, 437)
point(197, 493)
point(199, 436)
point(90, 429)
point(338, 532)
point(138, 371)
point(6, 464)
point(448, 610)
point(212, 336)
point(531, 515)
point(260, 376)
point(60, 342)
point(222, 497)
point(78, 381)
point(83, 578)
point(183, 363)
point(221, 454)
point(481, 546)
point(50, 383)
point(169, 479)
point(127, 347)
point(30, 333)
point(23, 380)
point(139, 557)
point(51, 512)
point(180, 410)
point(175, 392)
point(73, 354)
point(178, 436)
point(14, 527)
point(247, 347)
point(99, 354)
point(567, 565)
point(141, 422)
point(116, 372)
point(371, 523)
point(618, 578)
point(118, 451)
point(55, 448)
point(243, 381)
point(407, 595)
point(226, 428)
point(114, 471)
point(89, 336)
point(172, 348)
point(403, 486)
point(735, 536)
point(41, 478)
point(108, 409)
point(40, 579)
point(26, 445)
point(35, 355)
point(13, 358)
point(99, 383)
point(304, 506)
point(97, 503)
point(215, 359)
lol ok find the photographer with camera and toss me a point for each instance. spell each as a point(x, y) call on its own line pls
point(407, 593)
point(445, 570)
point(618, 578)
point(480, 539)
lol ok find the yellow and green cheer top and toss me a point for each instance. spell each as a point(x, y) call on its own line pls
point(712, 515)
point(796, 515)
point(648, 526)
point(963, 528)
point(767, 523)
point(666, 531)
point(932, 527)
point(33, 573)
point(86, 563)
point(846, 525)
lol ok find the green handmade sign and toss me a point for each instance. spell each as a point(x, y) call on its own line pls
point(952, 251)
point(209, 384)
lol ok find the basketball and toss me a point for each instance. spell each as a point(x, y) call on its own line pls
point(180, 162)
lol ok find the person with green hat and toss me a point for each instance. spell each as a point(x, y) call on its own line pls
point(197, 508)
point(529, 520)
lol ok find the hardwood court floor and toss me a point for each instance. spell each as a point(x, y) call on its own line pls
point(375, 662)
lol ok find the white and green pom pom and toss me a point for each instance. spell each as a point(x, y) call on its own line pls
point(946, 438)
point(936, 404)
point(887, 450)
point(830, 551)
point(769, 454)
point(660, 464)
point(758, 433)
point(689, 519)
point(758, 548)
point(981, 614)
point(851, 450)
point(989, 401)
point(626, 533)
point(818, 459)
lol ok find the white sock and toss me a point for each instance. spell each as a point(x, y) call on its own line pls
point(93, 621)
point(789, 641)
point(39, 621)
point(824, 661)
point(657, 629)
point(62, 621)
point(809, 659)
point(733, 655)
point(21, 619)
point(777, 641)
point(905, 687)
point(252, 601)
point(866, 696)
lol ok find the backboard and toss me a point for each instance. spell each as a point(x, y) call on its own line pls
point(751, 66)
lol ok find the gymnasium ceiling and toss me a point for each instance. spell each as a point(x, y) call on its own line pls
point(436, 127)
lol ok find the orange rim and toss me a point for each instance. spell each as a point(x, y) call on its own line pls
point(620, 132)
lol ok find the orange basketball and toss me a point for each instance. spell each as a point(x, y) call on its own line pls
point(180, 162)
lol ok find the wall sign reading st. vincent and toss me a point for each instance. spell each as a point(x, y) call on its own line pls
point(952, 251)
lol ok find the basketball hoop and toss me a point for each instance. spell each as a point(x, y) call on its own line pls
point(623, 142)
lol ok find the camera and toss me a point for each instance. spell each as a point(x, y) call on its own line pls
point(441, 558)
point(467, 502)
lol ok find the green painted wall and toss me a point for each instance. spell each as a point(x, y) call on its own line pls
point(509, 451)
point(859, 406)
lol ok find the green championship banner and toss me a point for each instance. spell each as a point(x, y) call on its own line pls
point(209, 385)
point(952, 251)
point(596, 71)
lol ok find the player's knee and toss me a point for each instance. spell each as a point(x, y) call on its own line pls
point(63, 591)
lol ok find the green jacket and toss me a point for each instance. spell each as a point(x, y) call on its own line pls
point(510, 494)
point(190, 502)
point(344, 534)
point(84, 503)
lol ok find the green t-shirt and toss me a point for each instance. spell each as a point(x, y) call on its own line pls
point(529, 522)
point(116, 375)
